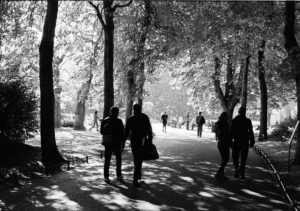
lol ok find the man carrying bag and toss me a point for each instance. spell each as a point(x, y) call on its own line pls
point(139, 128)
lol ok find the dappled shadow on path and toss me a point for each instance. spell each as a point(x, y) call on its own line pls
point(180, 180)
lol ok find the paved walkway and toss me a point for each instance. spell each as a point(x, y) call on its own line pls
point(180, 180)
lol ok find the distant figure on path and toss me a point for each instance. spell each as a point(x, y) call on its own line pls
point(187, 120)
point(138, 127)
point(224, 143)
point(200, 121)
point(243, 138)
point(112, 129)
point(95, 121)
point(164, 120)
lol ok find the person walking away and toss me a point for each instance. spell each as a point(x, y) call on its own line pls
point(138, 126)
point(95, 121)
point(112, 129)
point(224, 143)
point(243, 138)
point(200, 121)
point(164, 120)
point(187, 120)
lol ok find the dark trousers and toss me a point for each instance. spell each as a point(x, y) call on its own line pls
point(224, 152)
point(107, 157)
point(237, 153)
point(200, 127)
point(138, 162)
point(164, 126)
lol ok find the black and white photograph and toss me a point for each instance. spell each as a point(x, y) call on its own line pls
point(149, 105)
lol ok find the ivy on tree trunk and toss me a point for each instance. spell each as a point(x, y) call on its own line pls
point(50, 154)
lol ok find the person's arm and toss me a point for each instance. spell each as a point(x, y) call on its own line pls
point(149, 128)
point(251, 134)
point(127, 129)
point(101, 126)
point(122, 136)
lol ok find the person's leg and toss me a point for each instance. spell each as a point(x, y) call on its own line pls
point(92, 126)
point(118, 153)
point(200, 131)
point(235, 159)
point(107, 158)
point(97, 125)
point(136, 151)
point(244, 156)
point(224, 152)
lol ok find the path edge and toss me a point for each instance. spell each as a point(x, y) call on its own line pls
point(291, 202)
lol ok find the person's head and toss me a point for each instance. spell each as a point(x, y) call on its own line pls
point(223, 116)
point(242, 111)
point(96, 112)
point(137, 109)
point(114, 111)
point(200, 113)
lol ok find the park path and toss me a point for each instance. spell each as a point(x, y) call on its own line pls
point(180, 180)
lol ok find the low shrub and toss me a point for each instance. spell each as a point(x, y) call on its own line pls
point(18, 111)
point(284, 129)
point(67, 120)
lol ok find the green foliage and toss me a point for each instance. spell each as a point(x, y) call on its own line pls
point(284, 129)
point(18, 111)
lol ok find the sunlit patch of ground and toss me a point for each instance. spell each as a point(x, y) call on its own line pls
point(277, 152)
point(181, 179)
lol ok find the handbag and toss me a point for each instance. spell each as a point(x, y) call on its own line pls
point(149, 151)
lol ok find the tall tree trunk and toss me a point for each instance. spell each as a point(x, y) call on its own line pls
point(50, 154)
point(293, 51)
point(130, 92)
point(57, 112)
point(82, 96)
point(232, 90)
point(140, 50)
point(108, 27)
point(245, 82)
point(141, 83)
point(57, 91)
point(263, 129)
point(108, 58)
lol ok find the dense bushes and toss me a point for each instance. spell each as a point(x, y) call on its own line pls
point(284, 129)
point(67, 120)
point(18, 111)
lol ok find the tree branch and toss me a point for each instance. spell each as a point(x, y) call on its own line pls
point(98, 14)
point(216, 82)
point(123, 5)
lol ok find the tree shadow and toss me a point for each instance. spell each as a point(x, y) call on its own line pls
point(181, 179)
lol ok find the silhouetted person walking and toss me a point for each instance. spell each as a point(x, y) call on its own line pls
point(224, 143)
point(164, 120)
point(112, 129)
point(200, 121)
point(138, 127)
point(187, 120)
point(243, 138)
point(95, 121)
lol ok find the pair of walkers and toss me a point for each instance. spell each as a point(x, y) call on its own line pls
point(138, 128)
point(240, 137)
